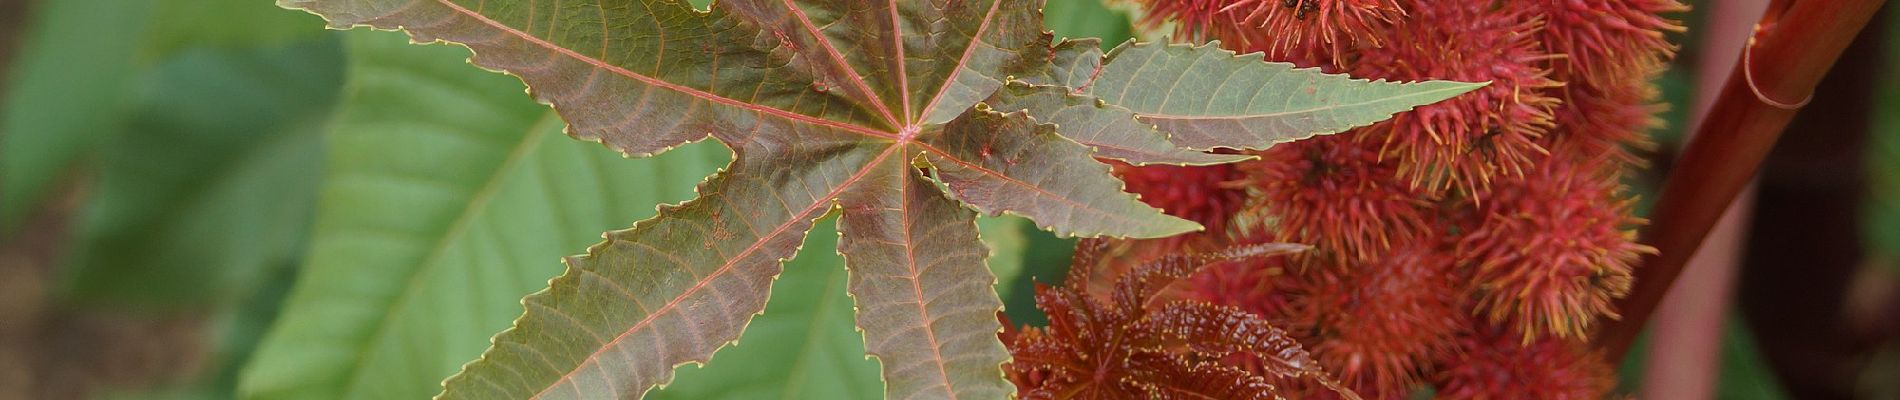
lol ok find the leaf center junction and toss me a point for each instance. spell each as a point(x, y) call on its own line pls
point(908, 133)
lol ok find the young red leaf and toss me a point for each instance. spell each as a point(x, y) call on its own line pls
point(1123, 347)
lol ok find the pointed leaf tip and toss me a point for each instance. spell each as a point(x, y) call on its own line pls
point(1207, 97)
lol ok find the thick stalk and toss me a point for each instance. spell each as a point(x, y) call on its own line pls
point(1685, 343)
point(1792, 50)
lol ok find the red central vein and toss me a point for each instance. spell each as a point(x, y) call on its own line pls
point(917, 285)
point(839, 60)
point(974, 39)
point(903, 78)
point(724, 268)
point(597, 63)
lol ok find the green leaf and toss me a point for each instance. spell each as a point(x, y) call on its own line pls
point(824, 102)
point(65, 94)
point(447, 197)
point(803, 347)
point(1206, 97)
point(212, 183)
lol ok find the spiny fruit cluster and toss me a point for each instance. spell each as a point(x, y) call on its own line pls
point(1467, 246)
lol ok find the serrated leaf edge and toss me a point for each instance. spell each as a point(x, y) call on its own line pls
point(1457, 87)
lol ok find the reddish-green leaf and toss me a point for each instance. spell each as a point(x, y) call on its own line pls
point(826, 103)
point(918, 276)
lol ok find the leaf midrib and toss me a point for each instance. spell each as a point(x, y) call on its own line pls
point(917, 284)
point(903, 76)
point(476, 205)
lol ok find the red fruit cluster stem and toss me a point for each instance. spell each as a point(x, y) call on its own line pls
point(1795, 44)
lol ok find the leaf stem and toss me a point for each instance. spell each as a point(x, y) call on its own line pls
point(1795, 44)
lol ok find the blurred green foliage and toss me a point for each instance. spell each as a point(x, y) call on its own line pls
point(199, 196)
point(65, 94)
point(195, 161)
point(1882, 228)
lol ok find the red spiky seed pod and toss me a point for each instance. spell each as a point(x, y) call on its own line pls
point(1379, 325)
point(1337, 195)
point(1607, 119)
point(1496, 364)
point(1193, 20)
point(1479, 136)
point(1209, 195)
point(1553, 250)
point(1278, 27)
point(1287, 26)
point(1541, 254)
point(1608, 40)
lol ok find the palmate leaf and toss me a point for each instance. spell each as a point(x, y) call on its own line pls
point(870, 107)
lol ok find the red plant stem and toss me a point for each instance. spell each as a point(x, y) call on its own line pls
point(1793, 49)
point(1685, 342)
